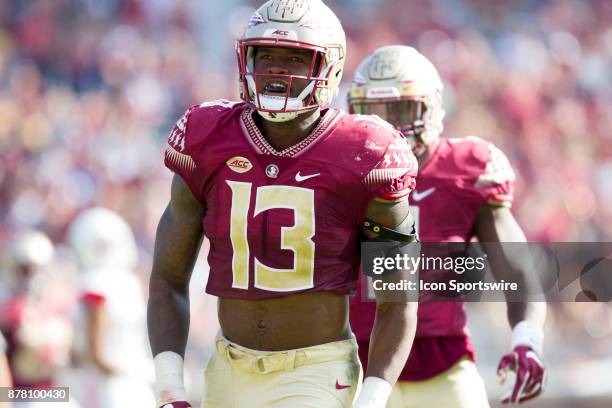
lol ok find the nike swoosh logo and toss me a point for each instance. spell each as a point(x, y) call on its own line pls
point(299, 177)
point(341, 387)
point(418, 196)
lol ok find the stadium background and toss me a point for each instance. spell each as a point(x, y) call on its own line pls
point(90, 88)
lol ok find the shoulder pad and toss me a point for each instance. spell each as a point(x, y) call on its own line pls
point(488, 164)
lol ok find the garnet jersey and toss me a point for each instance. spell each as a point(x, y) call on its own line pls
point(123, 343)
point(38, 338)
point(460, 176)
point(283, 222)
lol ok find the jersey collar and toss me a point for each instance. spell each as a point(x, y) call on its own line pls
point(261, 145)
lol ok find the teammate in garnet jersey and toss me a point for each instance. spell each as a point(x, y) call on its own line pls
point(465, 189)
point(281, 187)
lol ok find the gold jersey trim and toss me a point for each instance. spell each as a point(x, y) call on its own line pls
point(383, 176)
point(261, 144)
point(180, 160)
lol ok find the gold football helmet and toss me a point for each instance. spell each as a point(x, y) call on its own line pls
point(400, 85)
point(302, 24)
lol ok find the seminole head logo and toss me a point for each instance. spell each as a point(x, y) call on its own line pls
point(384, 65)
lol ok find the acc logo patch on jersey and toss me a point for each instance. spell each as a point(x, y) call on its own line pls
point(239, 164)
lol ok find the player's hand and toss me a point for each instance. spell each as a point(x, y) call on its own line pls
point(177, 404)
point(530, 374)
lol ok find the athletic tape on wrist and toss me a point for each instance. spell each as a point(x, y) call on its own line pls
point(374, 393)
point(527, 333)
point(169, 384)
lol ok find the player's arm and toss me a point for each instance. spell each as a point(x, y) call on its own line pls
point(177, 243)
point(496, 224)
point(395, 321)
point(95, 316)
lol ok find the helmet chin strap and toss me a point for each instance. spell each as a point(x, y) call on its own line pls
point(413, 130)
point(420, 138)
point(277, 103)
point(416, 144)
point(294, 105)
point(278, 117)
point(421, 134)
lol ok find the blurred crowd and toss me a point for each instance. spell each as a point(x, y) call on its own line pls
point(90, 88)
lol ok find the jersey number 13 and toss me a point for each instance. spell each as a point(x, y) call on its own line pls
point(297, 238)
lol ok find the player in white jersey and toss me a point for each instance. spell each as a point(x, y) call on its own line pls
point(117, 370)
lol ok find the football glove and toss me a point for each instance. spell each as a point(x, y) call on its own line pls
point(525, 362)
point(177, 404)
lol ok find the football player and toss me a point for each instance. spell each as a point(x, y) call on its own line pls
point(465, 188)
point(115, 368)
point(281, 186)
point(37, 334)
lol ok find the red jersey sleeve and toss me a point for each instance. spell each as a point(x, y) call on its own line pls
point(92, 299)
point(178, 156)
point(393, 177)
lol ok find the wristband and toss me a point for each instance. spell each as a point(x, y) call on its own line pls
point(169, 385)
point(527, 333)
point(374, 393)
